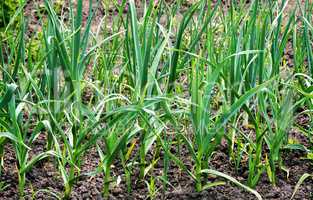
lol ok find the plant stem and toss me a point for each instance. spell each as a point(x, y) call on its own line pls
point(69, 185)
point(106, 185)
point(142, 157)
point(21, 184)
point(198, 176)
point(142, 162)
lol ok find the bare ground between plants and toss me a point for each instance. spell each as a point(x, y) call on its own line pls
point(43, 177)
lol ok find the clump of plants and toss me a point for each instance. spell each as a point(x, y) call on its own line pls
point(164, 91)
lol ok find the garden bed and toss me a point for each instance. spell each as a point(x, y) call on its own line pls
point(168, 100)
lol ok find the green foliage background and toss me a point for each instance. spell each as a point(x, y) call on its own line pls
point(7, 9)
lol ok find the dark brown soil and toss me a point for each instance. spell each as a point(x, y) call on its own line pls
point(45, 177)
